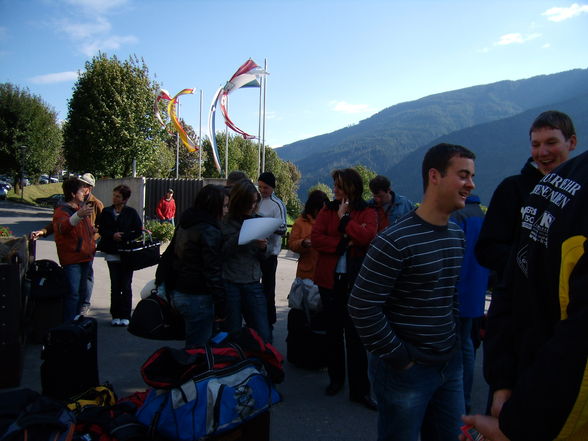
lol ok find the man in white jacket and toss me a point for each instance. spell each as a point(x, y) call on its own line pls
point(271, 206)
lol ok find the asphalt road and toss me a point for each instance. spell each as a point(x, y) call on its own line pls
point(305, 413)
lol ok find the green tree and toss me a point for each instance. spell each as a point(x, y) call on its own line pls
point(25, 120)
point(322, 187)
point(189, 161)
point(366, 176)
point(244, 154)
point(110, 121)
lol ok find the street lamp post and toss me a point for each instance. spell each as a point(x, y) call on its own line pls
point(22, 170)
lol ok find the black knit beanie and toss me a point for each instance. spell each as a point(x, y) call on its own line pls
point(268, 178)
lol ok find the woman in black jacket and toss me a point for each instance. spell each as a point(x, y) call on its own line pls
point(197, 286)
point(118, 224)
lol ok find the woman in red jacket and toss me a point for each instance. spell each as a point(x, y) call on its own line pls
point(341, 235)
point(74, 239)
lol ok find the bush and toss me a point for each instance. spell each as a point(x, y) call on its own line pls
point(162, 231)
point(5, 231)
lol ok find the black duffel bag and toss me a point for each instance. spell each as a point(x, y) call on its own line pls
point(155, 318)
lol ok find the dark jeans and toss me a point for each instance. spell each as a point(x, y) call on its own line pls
point(425, 399)
point(268, 280)
point(121, 294)
point(246, 301)
point(342, 340)
point(469, 359)
point(198, 313)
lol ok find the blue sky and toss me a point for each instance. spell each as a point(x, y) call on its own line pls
point(331, 63)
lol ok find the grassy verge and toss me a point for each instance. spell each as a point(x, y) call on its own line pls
point(32, 192)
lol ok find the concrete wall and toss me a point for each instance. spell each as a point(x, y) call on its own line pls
point(104, 187)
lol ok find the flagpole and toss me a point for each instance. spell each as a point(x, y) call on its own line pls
point(227, 144)
point(263, 132)
point(178, 145)
point(259, 130)
point(200, 139)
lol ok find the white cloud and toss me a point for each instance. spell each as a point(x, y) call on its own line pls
point(345, 107)
point(90, 48)
point(515, 38)
point(546, 46)
point(561, 14)
point(92, 31)
point(79, 31)
point(58, 77)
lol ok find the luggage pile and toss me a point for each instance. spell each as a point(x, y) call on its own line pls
point(307, 338)
point(222, 391)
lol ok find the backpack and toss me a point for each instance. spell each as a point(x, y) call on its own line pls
point(95, 396)
point(43, 419)
point(110, 423)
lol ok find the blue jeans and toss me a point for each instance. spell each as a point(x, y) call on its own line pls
point(424, 398)
point(77, 278)
point(87, 300)
point(198, 313)
point(247, 300)
point(468, 357)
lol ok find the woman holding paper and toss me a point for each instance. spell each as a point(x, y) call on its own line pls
point(241, 264)
point(341, 235)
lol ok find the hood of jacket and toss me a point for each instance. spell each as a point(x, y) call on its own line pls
point(193, 216)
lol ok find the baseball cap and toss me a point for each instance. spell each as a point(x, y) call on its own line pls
point(88, 178)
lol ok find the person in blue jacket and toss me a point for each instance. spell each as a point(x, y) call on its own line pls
point(472, 285)
point(389, 205)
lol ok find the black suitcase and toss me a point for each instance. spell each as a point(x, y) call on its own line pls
point(306, 341)
point(48, 288)
point(70, 359)
point(12, 269)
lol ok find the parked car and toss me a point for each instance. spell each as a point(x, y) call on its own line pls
point(3, 193)
point(5, 185)
point(52, 200)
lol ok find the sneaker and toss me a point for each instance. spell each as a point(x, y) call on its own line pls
point(115, 322)
point(85, 311)
point(124, 322)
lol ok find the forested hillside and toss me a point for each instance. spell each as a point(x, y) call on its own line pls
point(385, 139)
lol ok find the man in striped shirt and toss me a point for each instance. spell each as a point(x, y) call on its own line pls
point(405, 307)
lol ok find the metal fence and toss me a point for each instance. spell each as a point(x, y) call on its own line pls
point(146, 192)
point(185, 191)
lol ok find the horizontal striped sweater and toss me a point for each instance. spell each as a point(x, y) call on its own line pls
point(404, 304)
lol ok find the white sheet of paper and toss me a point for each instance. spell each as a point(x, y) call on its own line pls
point(258, 228)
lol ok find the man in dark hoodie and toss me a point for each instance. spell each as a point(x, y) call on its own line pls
point(536, 345)
point(553, 137)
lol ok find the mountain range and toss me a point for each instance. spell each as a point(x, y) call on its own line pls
point(492, 120)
